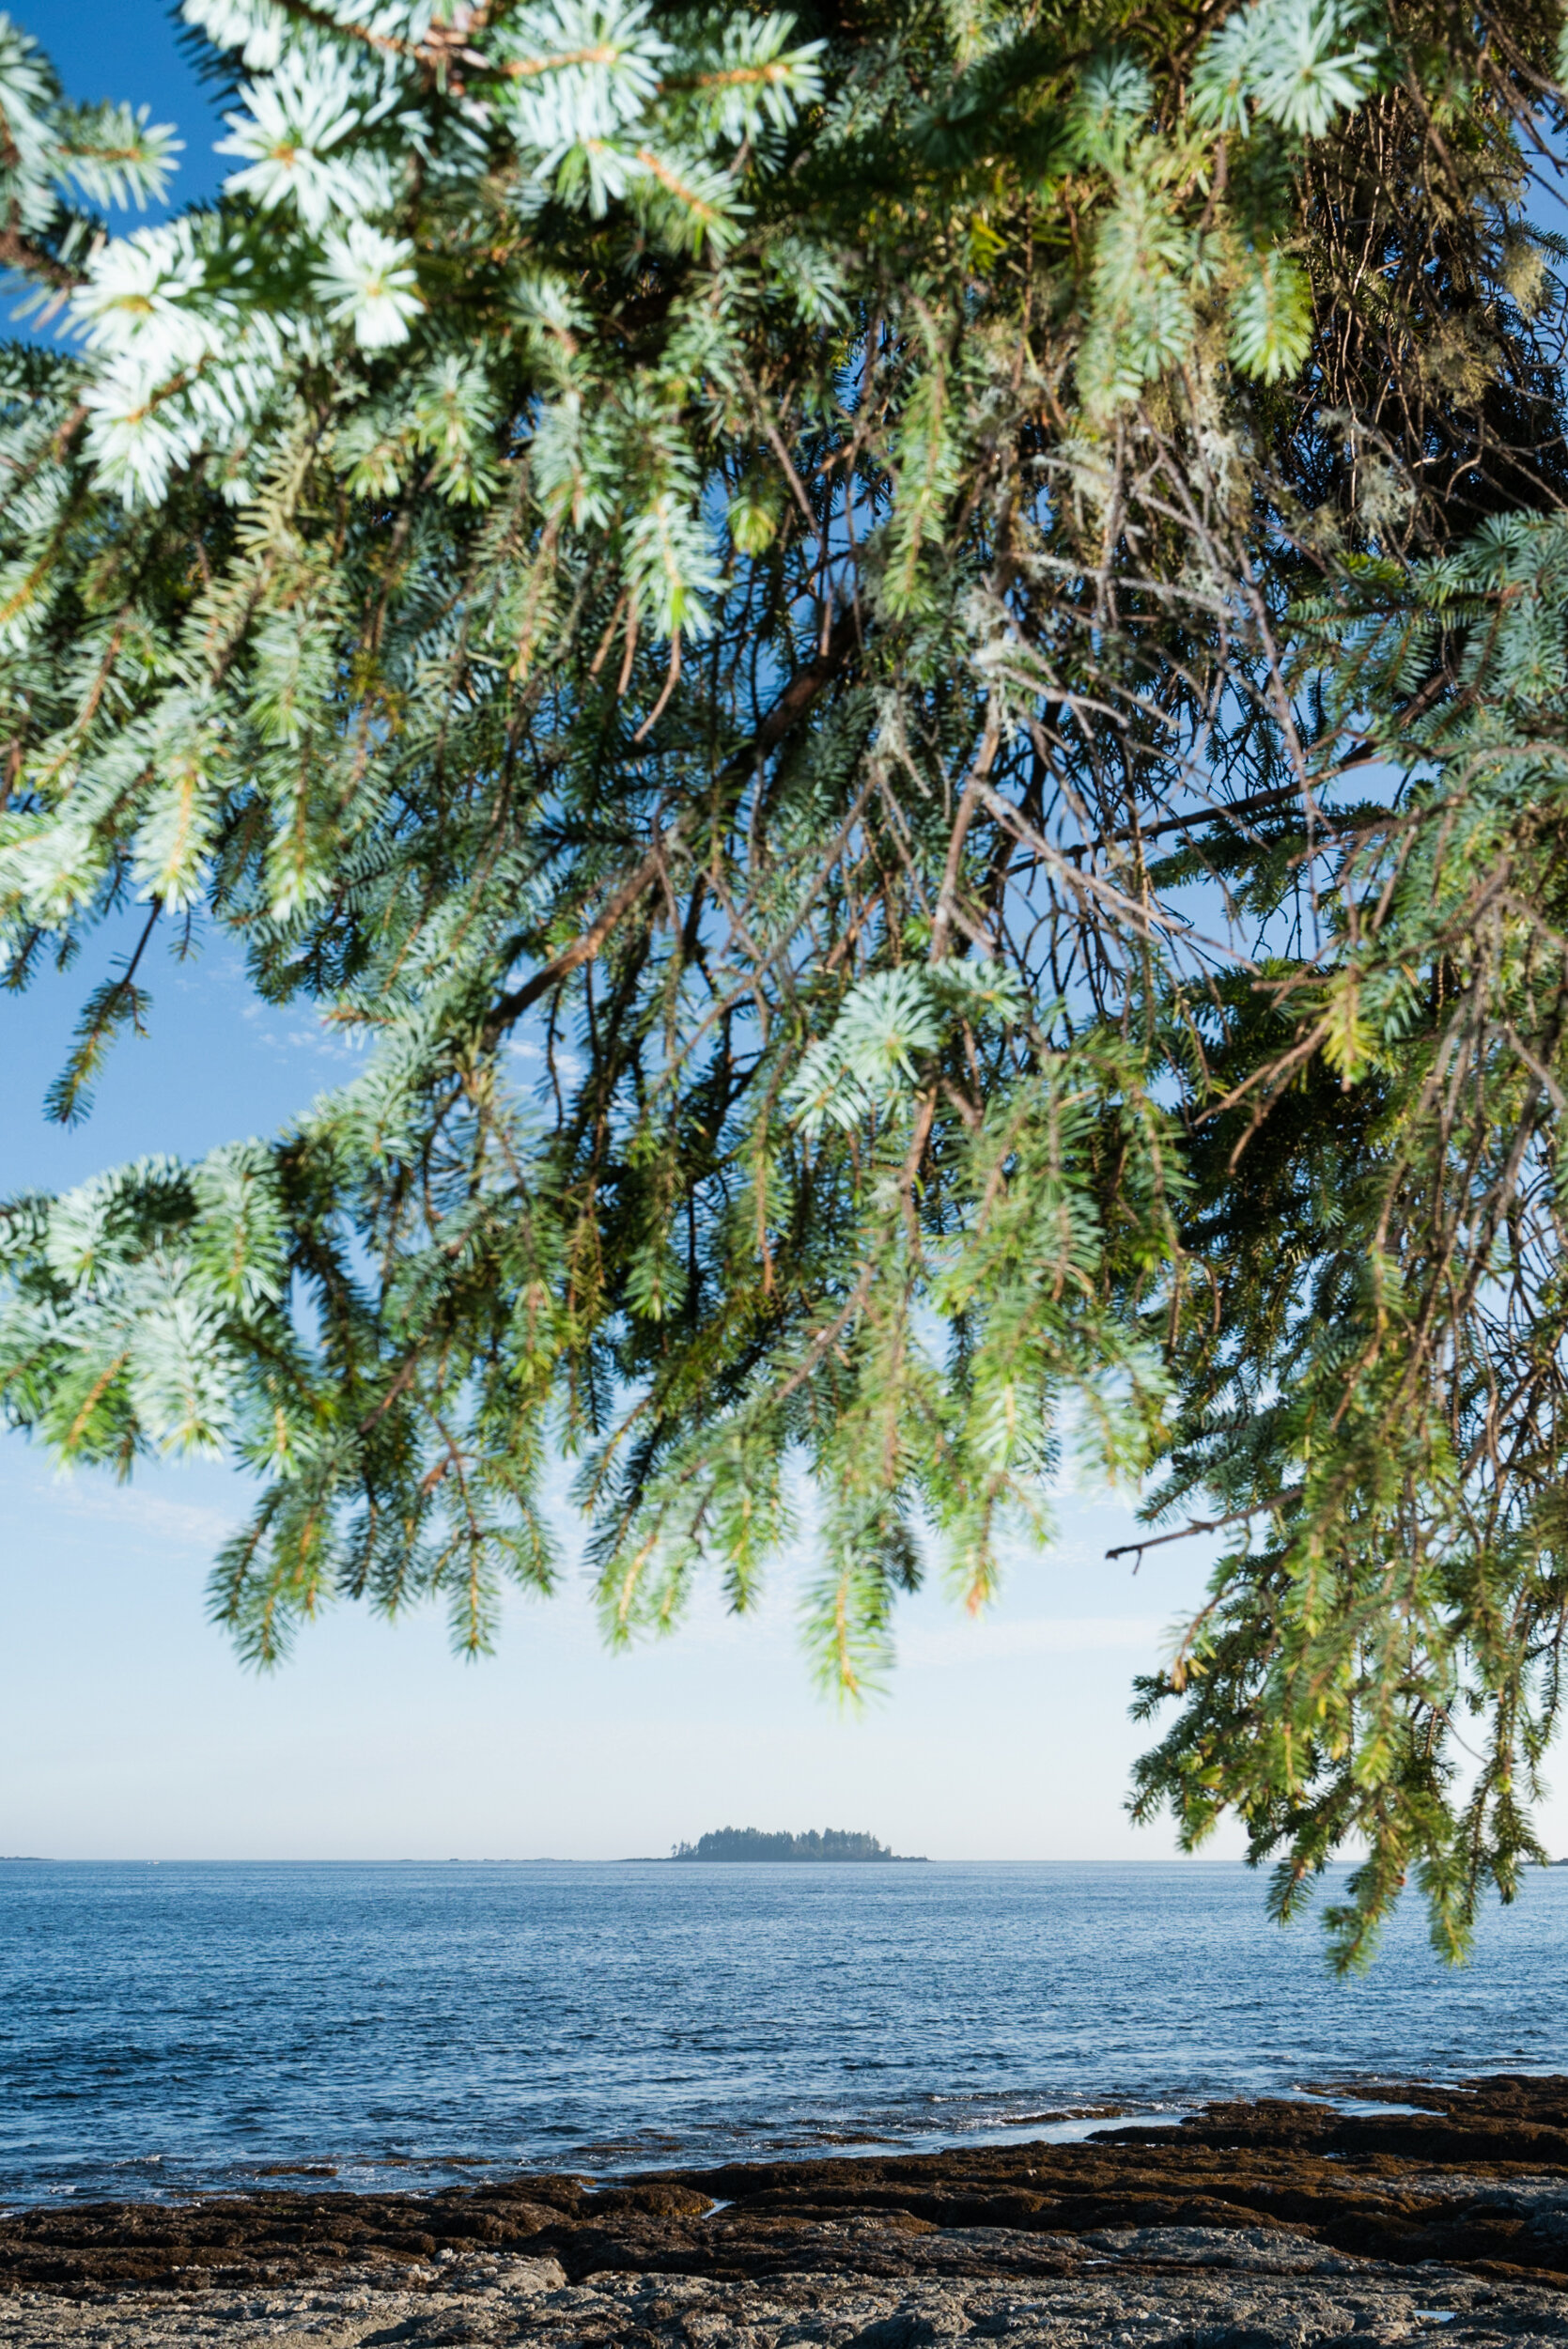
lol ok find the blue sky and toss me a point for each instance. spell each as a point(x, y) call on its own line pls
point(127, 1729)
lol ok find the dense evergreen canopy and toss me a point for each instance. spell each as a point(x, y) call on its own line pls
point(908, 663)
point(753, 1843)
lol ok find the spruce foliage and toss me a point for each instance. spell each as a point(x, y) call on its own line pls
point(906, 663)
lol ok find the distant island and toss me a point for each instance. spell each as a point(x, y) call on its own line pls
point(751, 1843)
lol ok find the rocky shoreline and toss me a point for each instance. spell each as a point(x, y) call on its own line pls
point(1245, 2227)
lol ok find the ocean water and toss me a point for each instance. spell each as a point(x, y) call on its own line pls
point(165, 2028)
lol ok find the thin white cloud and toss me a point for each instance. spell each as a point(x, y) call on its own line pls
point(137, 1511)
point(325, 1037)
point(983, 1642)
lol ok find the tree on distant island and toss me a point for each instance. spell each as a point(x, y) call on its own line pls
point(907, 667)
point(751, 1843)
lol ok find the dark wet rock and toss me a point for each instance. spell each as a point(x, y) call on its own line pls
point(1476, 2181)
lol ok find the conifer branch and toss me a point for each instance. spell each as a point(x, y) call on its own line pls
point(586, 526)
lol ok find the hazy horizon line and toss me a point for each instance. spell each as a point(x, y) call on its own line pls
point(567, 1859)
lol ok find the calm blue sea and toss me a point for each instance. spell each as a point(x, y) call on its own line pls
point(168, 2026)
